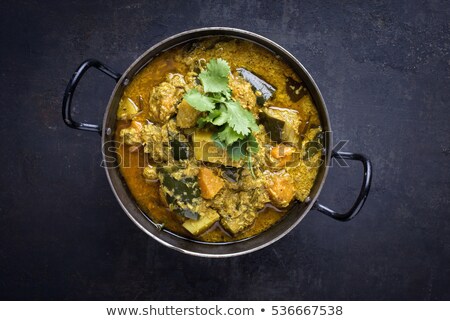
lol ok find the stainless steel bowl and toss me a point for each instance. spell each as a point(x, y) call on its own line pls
point(166, 237)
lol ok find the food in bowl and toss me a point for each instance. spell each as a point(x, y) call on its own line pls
point(217, 139)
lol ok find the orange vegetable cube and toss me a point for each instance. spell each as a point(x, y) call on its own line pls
point(281, 190)
point(210, 184)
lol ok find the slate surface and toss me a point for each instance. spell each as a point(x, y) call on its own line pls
point(383, 69)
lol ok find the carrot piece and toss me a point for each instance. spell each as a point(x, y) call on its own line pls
point(282, 151)
point(210, 184)
point(282, 154)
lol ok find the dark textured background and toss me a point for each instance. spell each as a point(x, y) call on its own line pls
point(383, 69)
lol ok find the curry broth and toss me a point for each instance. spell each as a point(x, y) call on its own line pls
point(239, 54)
point(147, 196)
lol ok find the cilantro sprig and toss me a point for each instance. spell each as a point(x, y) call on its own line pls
point(215, 78)
point(234, 124)
point(199, 101)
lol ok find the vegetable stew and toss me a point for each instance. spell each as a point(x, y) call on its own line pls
point(217, 139)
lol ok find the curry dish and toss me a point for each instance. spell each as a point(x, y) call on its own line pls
point(217, 138)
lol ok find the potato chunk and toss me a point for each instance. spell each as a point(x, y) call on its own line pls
point(207, 150)
point(187, 116)
point(127, 109)
point(282, 151)
point(197, 227)
point(210, 183)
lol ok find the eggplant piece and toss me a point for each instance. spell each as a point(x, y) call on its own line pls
point(180, 150)
point(274, 127)
point(281, 124)
point(263, 90)
point(179, 192)
point(190, 46)
point(194, 216)
point(295, 90)
point(231, 174)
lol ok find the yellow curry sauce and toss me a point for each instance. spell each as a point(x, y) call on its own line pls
point(153, 110)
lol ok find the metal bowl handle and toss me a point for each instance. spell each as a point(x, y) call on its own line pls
point(70, 89)
point(362, 193)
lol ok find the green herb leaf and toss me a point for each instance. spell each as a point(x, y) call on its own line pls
point(243, 147)
point(228, 135)
point(217, 117)
point(240, 119)
point(199, 101)
point(235, 123)
point(201, 122)
point(223, 116)
point(217, 97)
point(213, 114)
point(215, 78)
point(227, 94)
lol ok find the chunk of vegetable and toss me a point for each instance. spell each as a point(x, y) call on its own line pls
point(308, 111)
point(231, 174)
point(281, 189)
point(206, 149)
point(187, 213)
point(180, 149)
point(282, 151)
point(235, 225)
point(197, 227)
point(210, 184)
point(187, 116)
point(281, 124)
point(281, 155)
point(180, 194)
point(263, 90)
point(295, 89)
point(184, 189)
point(127, 109)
